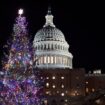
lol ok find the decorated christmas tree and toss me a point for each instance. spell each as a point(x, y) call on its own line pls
point(20, 54)
point(20, 83)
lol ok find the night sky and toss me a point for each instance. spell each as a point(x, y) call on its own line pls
point(80, 21)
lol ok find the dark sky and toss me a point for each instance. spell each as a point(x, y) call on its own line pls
point(80, 21)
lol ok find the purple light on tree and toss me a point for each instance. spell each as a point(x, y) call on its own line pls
point(20, 84)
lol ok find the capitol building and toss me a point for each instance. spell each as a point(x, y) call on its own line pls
point(52, 57)
point(51, 48)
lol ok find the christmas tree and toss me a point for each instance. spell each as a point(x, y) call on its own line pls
point(20, 54)
point(20, 84)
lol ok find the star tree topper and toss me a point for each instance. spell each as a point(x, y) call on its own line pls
point(20, 11)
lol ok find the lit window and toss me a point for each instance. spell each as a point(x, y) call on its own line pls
point(76, 93)
point(62, 86)
point(41, 77)
point(52, 59)
point(62, 94)
point(97, 72)
point(86, 82)
point(62, 77)
point(45, 61)
point(66, 100)
point(66, 91)
point(87, 90)
point(47, 92)
point(53, 86)
point(41, 60)
point(47, 77)
point(98, 102)
point(59, 60)
point(93, 89)
point(47, 84)
point(53, 77)
point(55, 60)
point(66, 61)
point(45, 102)
point(57, 91)
point(48, 59)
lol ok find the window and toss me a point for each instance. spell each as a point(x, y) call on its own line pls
point(53, 77)
point(45, 102)
point(55, 60)
point(48, 59)
point(41, 77)
point(93, 89)
point(52, 60)
point(66, 100)
point(59, 59)
point(86, 82)
point(41, 60)
point(62, 86)
point(45, 60)
point(87, 90)
point(47, 85)
point(57, 91)
point(62, 94)
point(53, 86)
point(47, 92)
point(52, 47)
point(45, 47)
point(47, 77)
point(62, 77)
point(66, 91)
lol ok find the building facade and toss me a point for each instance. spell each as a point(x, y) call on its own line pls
point(94, 81)
point(53, 59)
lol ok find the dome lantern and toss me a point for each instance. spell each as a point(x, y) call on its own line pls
point(49, 18)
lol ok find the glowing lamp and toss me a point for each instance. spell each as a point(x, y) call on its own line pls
point(20, 12)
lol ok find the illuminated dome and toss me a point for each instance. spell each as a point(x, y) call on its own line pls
point(49, 33)
point(51, 48)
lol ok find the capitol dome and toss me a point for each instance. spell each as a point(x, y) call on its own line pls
point(49, 33)
point(51, 48)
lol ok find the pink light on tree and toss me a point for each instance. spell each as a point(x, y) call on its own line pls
point(20, 84)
